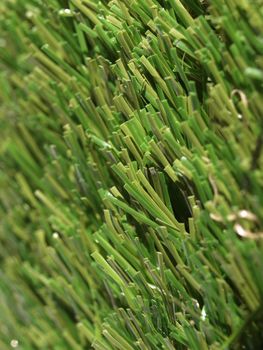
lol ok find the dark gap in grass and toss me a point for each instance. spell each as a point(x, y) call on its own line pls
point(61, 305)
point(250, 335)
point(178, 194)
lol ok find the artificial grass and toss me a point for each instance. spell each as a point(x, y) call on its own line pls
point(131, 174)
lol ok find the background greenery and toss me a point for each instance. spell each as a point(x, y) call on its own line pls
point(131, 181)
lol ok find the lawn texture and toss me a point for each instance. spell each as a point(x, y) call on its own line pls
point(131, 174)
